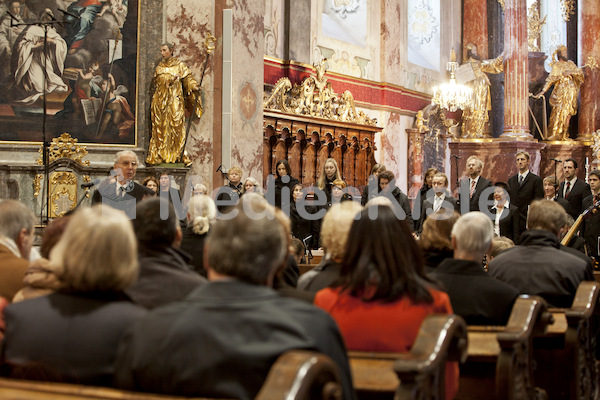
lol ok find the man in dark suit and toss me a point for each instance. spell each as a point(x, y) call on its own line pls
point(119, 190)
point(551, 193)
point(440, 199)
point(223, 338)
point(475, 296)
point(572, 189)
point(504, 215)
point(472, 188)
point(524, 187)
point(591, 222)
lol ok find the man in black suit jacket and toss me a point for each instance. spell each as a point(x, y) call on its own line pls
point(222, 339)
point(591, 223)
point(572, 189)
point(524, 187)
point(440, 200)
point(475, 296)
point(551, 193)
point(119, 190)
point(504, 215)
point(472, 188)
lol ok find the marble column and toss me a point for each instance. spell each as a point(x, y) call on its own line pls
point(475, 30)
point(589, 106)
point(516, 72)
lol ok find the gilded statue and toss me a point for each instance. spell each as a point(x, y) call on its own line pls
point(476, 117)
point(566, 78)
point(174, 85)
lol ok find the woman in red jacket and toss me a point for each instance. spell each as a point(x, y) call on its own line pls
point(383, 294)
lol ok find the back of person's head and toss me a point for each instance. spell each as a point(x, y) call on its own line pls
point(379, 201)
point(14, 217)
point(499, 244)
point(437, 230)
point(251, 246)
point(52, 234)
point(382, 261)
point(298, 248)
point(97, 251)
point(546, 215)
point(336, 226)
point(152, 229)
point(473, 233)
point(201, 213)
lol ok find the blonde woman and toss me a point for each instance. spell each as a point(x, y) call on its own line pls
point(201, 214)
point(72, 335)
point(329, 174)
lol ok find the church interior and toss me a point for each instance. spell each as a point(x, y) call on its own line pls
point(202, 90)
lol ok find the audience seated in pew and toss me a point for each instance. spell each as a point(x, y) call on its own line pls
point(475, 296)
point(165, 274)
point(201, 214)
point(334, 235)
point(16, 240)
point(383, 294)
point(41, 277)
point(223, 338)
point(538, 265)
point(435, 242)
point(72, 335)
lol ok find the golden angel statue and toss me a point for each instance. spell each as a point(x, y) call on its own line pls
point(567, 79)
point(476, 117)
point(174, 84)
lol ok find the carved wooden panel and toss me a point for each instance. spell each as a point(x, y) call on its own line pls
point(307, 142)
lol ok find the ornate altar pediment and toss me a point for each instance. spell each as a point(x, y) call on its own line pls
point(315, 97)
point(65, 146)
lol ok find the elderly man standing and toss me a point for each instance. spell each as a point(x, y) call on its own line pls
point(16, 239)
point(538, 265)
point(223, 338)
point(119, 190)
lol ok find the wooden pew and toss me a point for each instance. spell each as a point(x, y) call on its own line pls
point(499, 358)
point(566, 354)
point(296, 375)
point(441, 338)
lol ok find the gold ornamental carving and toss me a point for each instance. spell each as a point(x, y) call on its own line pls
point(592, 63)
point(568, 8)
point(65, 146)
point(37, 184)
point(534, 26)
point(596, 147)
point(63, 190)
point(501, 2)
point(315, 97)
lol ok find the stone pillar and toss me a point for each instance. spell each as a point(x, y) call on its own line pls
point(516, 73)
point(589, 106)
point(297, 39)
point(495, 27)
point(476, 30)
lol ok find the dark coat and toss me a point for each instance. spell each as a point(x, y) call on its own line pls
point(222, 340)
point(579, 191)
point(464, 190)
point(475, 296)
point(67, 337)
point(228, 196)
point(320, 277)
point(303, 228)
point(193, 245)
point(107, 195)
point(564, 203)
point(165, 277)
point(509, 222)
point(366, 195)
point(282, 201)
point(399, 199)
point(434, 257)
point(537, 266)
point(522, 195)
point(450, 204)
point(591, 226)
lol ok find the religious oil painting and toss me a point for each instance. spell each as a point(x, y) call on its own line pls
point(84, 52)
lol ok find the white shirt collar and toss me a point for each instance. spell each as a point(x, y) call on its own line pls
point(524, 174)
